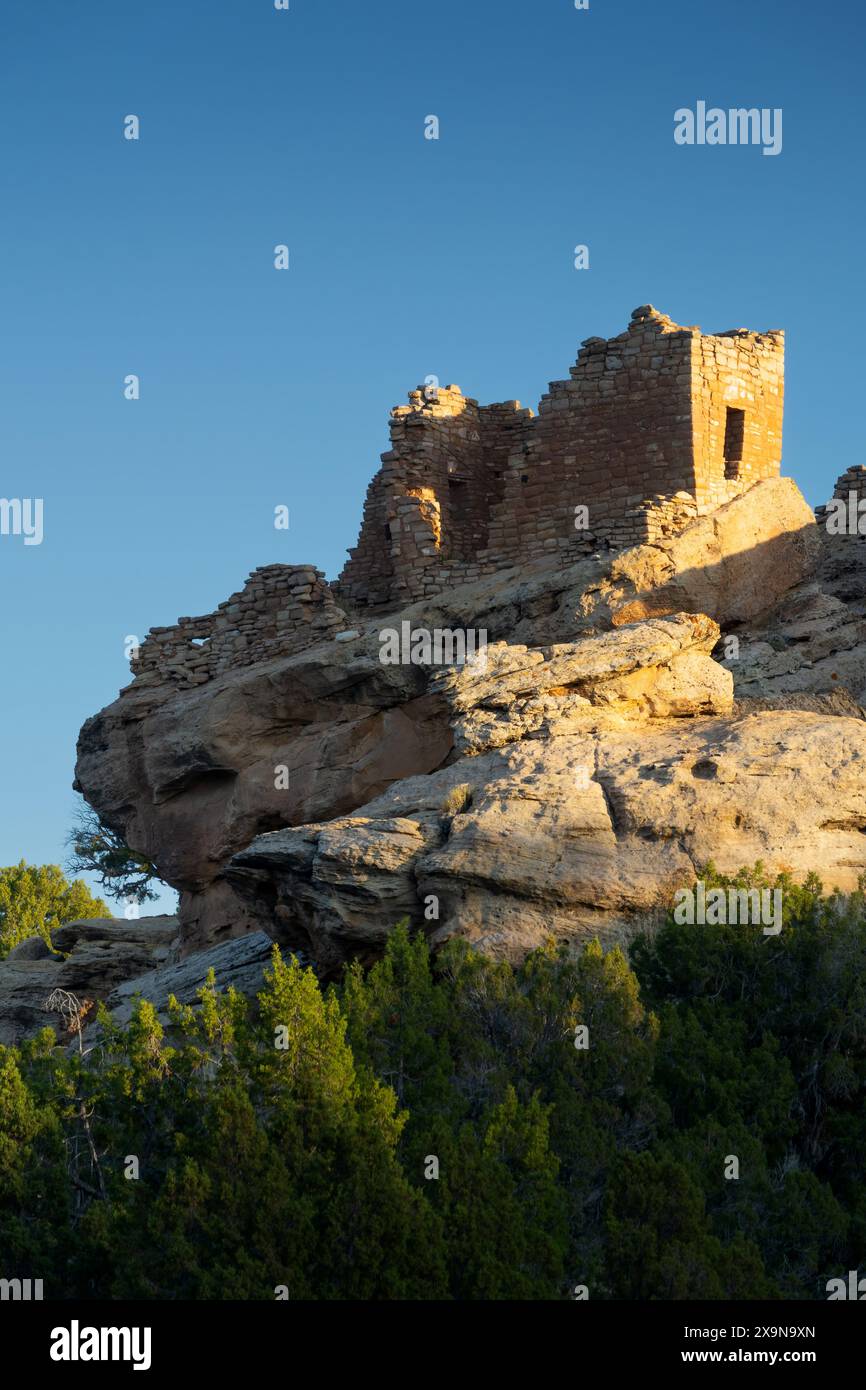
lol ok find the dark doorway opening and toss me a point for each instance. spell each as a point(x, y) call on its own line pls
point(735, 431)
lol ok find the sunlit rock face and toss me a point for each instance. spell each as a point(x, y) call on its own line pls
point(625, 718)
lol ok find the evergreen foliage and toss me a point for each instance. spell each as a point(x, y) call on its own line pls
point(429, 1129)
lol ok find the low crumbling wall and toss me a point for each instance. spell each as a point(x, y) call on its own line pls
point(851, 489)
point(281, 610)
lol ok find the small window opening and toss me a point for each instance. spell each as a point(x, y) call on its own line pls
point(735, 429)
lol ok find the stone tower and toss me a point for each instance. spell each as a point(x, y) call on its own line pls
point(652, 427)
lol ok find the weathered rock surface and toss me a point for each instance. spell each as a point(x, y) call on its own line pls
point(734, 564)
point(92, 957)
point(614, 741)
point(810, 642)
point(193, 778)
point(114, 962)
point(654, 669)
point(188, 776)
point(240, 962)
point(574, 835)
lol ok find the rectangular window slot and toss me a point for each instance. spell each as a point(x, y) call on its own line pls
point(735, 430)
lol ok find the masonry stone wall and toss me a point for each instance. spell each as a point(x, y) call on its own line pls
point(736, 373)
point(616, 432)
point(281, 610)
point(652, 427)
point(851, 489)
point(428, 511)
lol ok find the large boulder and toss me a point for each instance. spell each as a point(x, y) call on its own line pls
point(240, 963)
point(573, 835)
point(734, 564)
point(192, 777)
point(657, 669)
point(88, 960)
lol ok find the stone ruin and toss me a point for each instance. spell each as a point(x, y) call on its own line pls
point(652, 428)
point(281, 610)
point(851, 489)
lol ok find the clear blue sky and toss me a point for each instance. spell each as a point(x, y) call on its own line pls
point(409, 257)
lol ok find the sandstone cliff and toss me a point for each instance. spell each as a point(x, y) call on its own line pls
point(637, 713)
point(610, 746)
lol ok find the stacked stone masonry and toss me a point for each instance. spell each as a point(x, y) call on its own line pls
point(427, 512)
point(850, 485)
point(653, 427)
point(281, 609)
